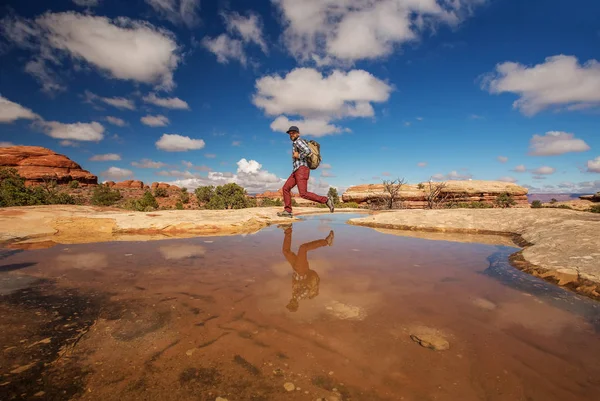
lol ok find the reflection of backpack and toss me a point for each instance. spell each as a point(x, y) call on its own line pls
point(315, 157)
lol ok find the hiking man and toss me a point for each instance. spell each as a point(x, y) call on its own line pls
point(300, 175)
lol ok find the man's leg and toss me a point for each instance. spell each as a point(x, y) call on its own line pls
point(287, 195)
point(285, 249)
point(302, 176)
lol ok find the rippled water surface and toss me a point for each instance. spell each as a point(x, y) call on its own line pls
point(336, 310)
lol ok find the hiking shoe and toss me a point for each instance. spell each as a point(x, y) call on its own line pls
point(285, 213)
point(330, 204)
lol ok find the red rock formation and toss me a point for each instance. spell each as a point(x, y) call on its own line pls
point(275, 195)
point(455, 191)
point(36, 164)
point(165, 186)
point(130, 184)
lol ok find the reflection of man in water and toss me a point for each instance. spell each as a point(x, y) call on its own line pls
point(305, 282)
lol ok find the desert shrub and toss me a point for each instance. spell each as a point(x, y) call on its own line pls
point(348, 205)
point(505, 200)
point(14, 192)
point(104, 196)
point(536, 204)
point(74, 184)
point(268, 202)
point(184, 197)
point(146, 203)
point(161, 193)
point(204, 194)
point(595, 209)
point(294, 202)
point(553, 200)
point(179, 205)
point(252, 202)
point(468, 205)
point(564, 207)
point(333, 194)
point(421, 186)
point(228, 196)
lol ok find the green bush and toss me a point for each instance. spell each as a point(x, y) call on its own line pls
point(333, 193)
point(104, 196)
point(595, 209)
point(536, 204)
point(553, 200)
point(204, 194)
point(421, 186)
point(564, 207)
point(468, 205)
point(268, 202)
point(74, 184)
point(14, 192)
point(146, 203)
point(161, 193)
point(505, 200)
point(348, 205)
point(179, 205)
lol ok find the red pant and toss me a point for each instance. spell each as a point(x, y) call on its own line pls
point(299, 178)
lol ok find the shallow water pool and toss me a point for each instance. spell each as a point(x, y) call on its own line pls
point(328, 309)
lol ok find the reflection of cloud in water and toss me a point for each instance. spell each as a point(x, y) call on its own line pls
point(182, 251)
point(85, 261)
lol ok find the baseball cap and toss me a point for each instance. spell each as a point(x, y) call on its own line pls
point(292, 128)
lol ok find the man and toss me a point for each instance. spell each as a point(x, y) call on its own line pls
point(300, 175)
point(305, 282)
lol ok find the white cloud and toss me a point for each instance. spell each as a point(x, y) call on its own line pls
point(422, 164)
point(6, 144)
point(155, 121)
point(177, 11)
point(181, 251)
point(117, 173)
point(118, 102)
point(147, 163)
point(226, 48)
point(319, 99)
point(106, 157)
point(178, 143)
point(386, 174)
point(187, 164)
point(559, 81)
point(178, 174)
point(520, 168)
point(87, 3)
point(327, 173)
point(210, 156)
point(249, 28)
point(50, 81)
point(556, 143)
point(476, 117)
point(502, 159)
point(508, 179)
point(93, 131)
point(585, 187)
point(453, 175)
point(310, 127)
point(67, 142)
point(593, 166)
point(325, 165)
point(545, 170)
point(11, 111)
point(419, 118)
point(120, 48)
point(116, 121)
point(346, 31)
point(169, 103)
point(236, 143)
point(249, 175)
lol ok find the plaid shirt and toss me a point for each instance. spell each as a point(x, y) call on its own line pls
point(300, 146)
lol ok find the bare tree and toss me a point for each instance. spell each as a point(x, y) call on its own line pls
point(393, 189)
point(433, 194)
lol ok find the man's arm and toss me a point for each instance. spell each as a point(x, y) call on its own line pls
point(303, 149)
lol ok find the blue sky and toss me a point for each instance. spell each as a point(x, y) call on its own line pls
point(198, 92)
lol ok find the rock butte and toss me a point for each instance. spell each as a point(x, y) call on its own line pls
point(36, 164)
point(458, 191)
